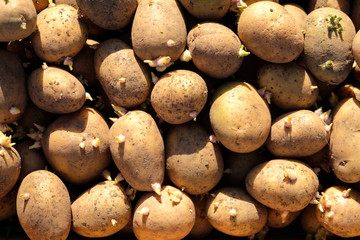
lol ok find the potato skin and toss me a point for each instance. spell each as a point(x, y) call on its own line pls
point(268, 184)
point(282, 41)
point(113, 60)
point(215, 49)
point(344, 138)
point(250, 215)
point(178, 94)
point(343, 5)
point(239, 117)
point(55, 90)
point(61, 145)
point(60, 33)
point(298, 12)
point(155, 22)
point(343, 222)
point(207, 10)
point(290, 85)
point(166, 220)
point(322, 45)
point(12, 87)
point(10, 166)
point(192, 161)
point(141, 157)
point(277, 219)
point(12, 15)
point(8, 204)
point(47, 212)
point(103, 202)
point(305, 137)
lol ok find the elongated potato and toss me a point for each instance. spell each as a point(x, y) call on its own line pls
point(137, 149)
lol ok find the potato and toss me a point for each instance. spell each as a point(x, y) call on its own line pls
point(291, 86)
point(17, 19)
point(282, 184)
point(280, 219)
point(179, 96)
point(108, 210)
point(343, 5)
point(215, 49)
point(60, 33)
point(239, 117)
point(76, 145)
point(124, 78)
point(137, 149)
point(344, 156)
point(110, 14)
point(299, 133)
point(10, 164)
point(327, 45)
point(270, 32)
point(311, 225)
point(40, 5)
point(168, 216)
point(193, 163)
point(8, 205)
point(319, 159)
point(13, 94)
point(55, 90)
point(336, 211)
point(298, 12)
point(158, 30)
point(202, 227)
point(43, 206)
point(72, 3)
point(233, 212)
point(207, 10)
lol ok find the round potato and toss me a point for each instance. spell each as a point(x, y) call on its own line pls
point(179, 96)
point(43, 206)
point(270, 32)
point(168, 216)
point(55, 90)
point(282, 184)
point(207, 10)
point(60, 33)
point(239, 117)
point(233, 212)
point(299, 133)
point(108, 210)
point(298, 12)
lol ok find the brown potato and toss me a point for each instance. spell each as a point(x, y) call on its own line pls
point(298, 12)
point(8, 205)
point(60, 33)
point(207, 10)
point(282, 184)
point(233, 212)
point(299, 133)
point(202, 227)
point(108, 210)
point(179, 96)
point(76, 145)
point(311, 225)
point(170, 216)
point(137, 149)
point(280, 219)
point(40, 5)
point(55, 90)
point(43, 206)
point(343, 5)
point(270, 32)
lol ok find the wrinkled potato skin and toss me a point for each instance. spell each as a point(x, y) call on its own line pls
point(103, 202)
point(239, 117)
point(344, 139)
point(250, 218)
point(113, 60)
point(155, 22)
point(8, 205)
point(192, 161)
point(109, 14)
point(177, 94)
point(55, 90)
point(60, 143)
point(344, 222)
point(322, 45)
point(306, 136)
point(275, 220)
point(268, 184)
point(141, 158)
point(47, 213)
point(60, 33)
point(270, 32)
point(12, 15)
point(13, 91)
point(10, 165)
point(289, 84)
point(166, 220)
point(343, 5)
point(207, 10)
point(215, 49)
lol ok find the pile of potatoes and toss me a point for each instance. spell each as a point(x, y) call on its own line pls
point(172, 119)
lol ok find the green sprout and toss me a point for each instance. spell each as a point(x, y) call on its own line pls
point(333, 23)
point(327, 65)
point(6, 1)
point(242, 52)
